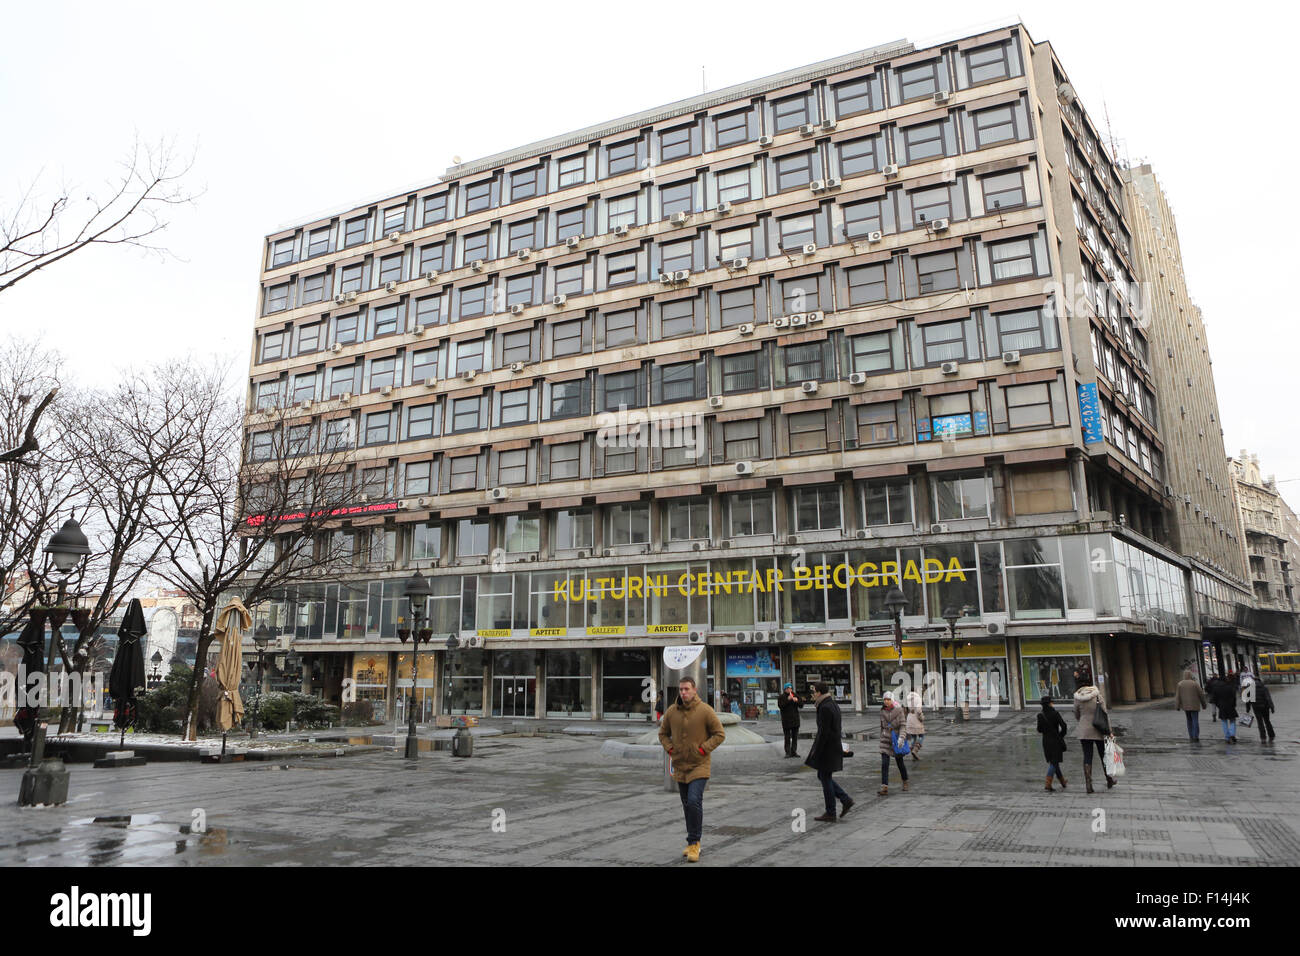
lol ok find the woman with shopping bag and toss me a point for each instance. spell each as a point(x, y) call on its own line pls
point(915, 722)
point(893, 742)
point(1093, 729)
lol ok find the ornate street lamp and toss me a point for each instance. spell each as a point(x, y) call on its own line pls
point(418, 590)
point(261, 637)
point(67, 546)
point(896, 604)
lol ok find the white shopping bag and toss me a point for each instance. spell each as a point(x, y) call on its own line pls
point(1113, 758)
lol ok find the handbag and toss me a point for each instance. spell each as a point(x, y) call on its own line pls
point(1113, 758)
point(1101, 720)
point(901, 745)
point(1246, 720)
point(847, 750)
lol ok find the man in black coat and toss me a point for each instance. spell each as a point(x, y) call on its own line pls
point(789, 705)
point(827, 753)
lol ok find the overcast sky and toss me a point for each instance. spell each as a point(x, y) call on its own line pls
point(296, 109)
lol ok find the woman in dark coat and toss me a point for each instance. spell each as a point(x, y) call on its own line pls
point(1224, 695)
point(1052, 726)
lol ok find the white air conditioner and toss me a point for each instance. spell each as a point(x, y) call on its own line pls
point(937, 225)
point(340, 299)
point(875, 235)
point(477, 265)
point(422, 502)
point(817, 185)
point(559, 300)
point(784, 637)
point(746, 328)
point(862, 534)
point(404, 504)
point(345, 397)
point(797, 319)
point(517, 308)
point(305, 404)
point(678, 218)
point(572, 241)
point(1012, 357)
point(760, 637)
point(523, 254)
point(336, 347)
point(724, 207)
point(808, 388)
point(390, 285)
point(386, 390)
point(499, 494)
point(350, 296)
point(780, 322)
point(666, 277)
point(738, 265)
point(744, 467)
point(516, 366)
point(942, 96)
point(696, 637)
point(809, 248)
point(815, 317)
point(620, 230)
point(949, 368)
point(715, 401)
point(474, 640)
point(938, 529)
point(890, 170)
point(832, 182)
point(430, 383)
point(394, 236)
point(857, 378)
point(681, 275)
point(765, 141)
point(807, 129)
point(996, 627)
point(431, 276)
point(826, 125)
point(468, 374)
point(743, 637)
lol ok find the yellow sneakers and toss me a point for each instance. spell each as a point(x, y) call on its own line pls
point(693, 853)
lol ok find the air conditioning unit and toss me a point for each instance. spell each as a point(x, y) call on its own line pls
point(808, 388)
point(818, 185)
point(875, 236)
point(890, 170)
point(350, 296)
point(559, 300)
point(365, 498)
point(746, 328)
point(697, 637)
point(474, 641)
point(738, 265)
point(421, 502)
point(807, 129)
point(523, 254)
point(996, 626)
point(809, 248)
point(404, 505)
point(678, 218)
point(784, 637)
point(620, 230)
point(394, 236)
point(516, 366)
point(305, 404)
point(695, 546)
point(336, 347)
point(949, 368)
point(815, 317)
point(862, 534)
point(468, 374)
point(765, 141)
point(743, 637)
point(666, 277)
point(797, 319)
point(681, 275)
point(499, 494)
point(418, 331)
point(937, 225)
point(832, 182)
point(942, 96)
point(477, 265)
point(386, 390)
point(780, 322)
point(744, 467)
point(1169, 490)
point(857, 378)
point(1012, 357)
point(938, 529)
point(430, 383)
point(431, 276)
point(715, 401)
point(390, 285)
point(572, 241)
point(340, 299)
point(517, 308)
point(345, 397)
point(724, 207)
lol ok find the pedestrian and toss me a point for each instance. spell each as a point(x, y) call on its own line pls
point(1224, 695)
point(915, 722)
point(1190, 699)
point(826, 755)
point(789, 704)
point(891, 723)
point(690, 732)
point(659, 706)
point(1052, 726)
point(1209, 692)
point(1260, 703)
point(1087, 699)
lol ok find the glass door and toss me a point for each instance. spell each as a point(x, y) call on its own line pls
point(514, 697)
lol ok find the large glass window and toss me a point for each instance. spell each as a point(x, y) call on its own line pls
point(626, 675)
point(961, 496)
point(628, 523)
point(750, 513)
point(1034, 578)
point(817, 509)
point(887, 501)
point(568, 683)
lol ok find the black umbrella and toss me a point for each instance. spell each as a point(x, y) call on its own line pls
point(32, 642)
point(127, 675)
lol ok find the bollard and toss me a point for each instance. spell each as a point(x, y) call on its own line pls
point(463, 743)
point(670, 785)
point(46, 780)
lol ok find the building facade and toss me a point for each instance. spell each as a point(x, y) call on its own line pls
point(1266, 546)
point(726, 372)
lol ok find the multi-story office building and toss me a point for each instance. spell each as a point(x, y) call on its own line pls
point(729, 370)
point(1266, 546)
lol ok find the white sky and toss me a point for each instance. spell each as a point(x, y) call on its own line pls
point(298, 108)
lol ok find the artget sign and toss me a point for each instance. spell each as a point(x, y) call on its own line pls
point(743, 581)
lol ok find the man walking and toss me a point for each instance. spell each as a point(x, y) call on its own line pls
point(827, 753)
point(789, 705)
point(1190, 699)
point(690, 732)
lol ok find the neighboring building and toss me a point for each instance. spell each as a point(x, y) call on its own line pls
point(1267, 547)
point(876, 318)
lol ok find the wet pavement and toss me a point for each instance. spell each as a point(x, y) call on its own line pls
point(976, 798)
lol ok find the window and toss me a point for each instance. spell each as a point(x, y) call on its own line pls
point(736, 244)
point(621, 211)
point(1029, 406)
point(573, 529)
point(687, 520)
point(731, 129)
point(277, 298)
point(924, 141)
point(268, 395)
point(474, 301)
point(799, 295)
point(572, 171)
point(517, 346)
point(424, 366)
point(937, 272)
point(309, 338)
point(816, 509)
point(337, 435)
point(750, 514)
point(943, 342)
point(736, 307)
point(859, 156)
point(519, 289)
point(382, 373)
point(273, 346)
point(733, 185)
point(919, 81)
point(930, 204)
point(471, 537)
point(304, 387)
point(862, 218)
point(523, 184)
point(341, 380)
point(261, 446)
point(378, 428)
point(428, 311)
point(887, 502)
point(803, 363)
point(960, 496)
point(677, 382)
point(621, 328)
point(796, 231)
point(434, 209)
point(569, 279)
point(313, 288)
point(679, 197)
point(807, 432)
point(620, 269)
point(677, 318)
point(512, 467)
point(682, 446)
point(853, 97)
point(878, 424)
point(469, 356)
point(566, 461)
point(318, 242)
point(421, 422)
point(478, 196)
point(629, 524)
point(1025, 330)
point(995, 125)
point(1003, 191)
point(520, 235)
point(522, 534)
point(374, 482)
point(567, 338)
point(394, 219)
point(873, 353)
point(570, 222)
point(621, 157)
point(790, 113)
point(386, 320)
point(475, 247)
point(622, 389)
point(1012, 259)
point(355, 231)
point(742, 373)
point(515, 406)
point(793, 171)
point(345, 329)
point(281, 252)
point(740, 440)
point(464, 473)
point(677, 255)
point(988, 63)
point(675, 143)
point(566, 399)
point(350, 278)
point(426, 540)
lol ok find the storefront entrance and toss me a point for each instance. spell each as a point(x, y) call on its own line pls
point(1047, 668)
point(830, 664)
point(978, 675)
point(885, 674)
point(514, 697)
point(753, 682)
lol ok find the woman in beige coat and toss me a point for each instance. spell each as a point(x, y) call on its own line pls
point(1086, 701)
point(891, 722)
point(915, 722)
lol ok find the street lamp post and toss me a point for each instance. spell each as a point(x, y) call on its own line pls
point(418, 590)
point(66, 548)
point(896, 604)
point(156, 677)
point(261, 637)
point(952, 616)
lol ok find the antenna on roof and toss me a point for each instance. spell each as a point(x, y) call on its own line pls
point(704, 86)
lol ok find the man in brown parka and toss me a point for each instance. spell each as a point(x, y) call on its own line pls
point(690, 731)
point(1190, 699)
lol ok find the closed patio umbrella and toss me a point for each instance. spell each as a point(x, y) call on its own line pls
point(127, 675)
point(32, 642)
point(232, 621)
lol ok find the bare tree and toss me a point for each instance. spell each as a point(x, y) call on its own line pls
point(39, 232)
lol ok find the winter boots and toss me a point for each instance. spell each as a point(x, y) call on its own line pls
point(1048, 786)
point(1060, 778)
point(693, 853)
point(1087, 778)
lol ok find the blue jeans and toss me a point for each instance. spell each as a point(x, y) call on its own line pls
point(693, 805)
point(1193, 724)
point(916, 740)
point(832, 791)
point(1054, 770)
point(884, 768)
point(1229, 727)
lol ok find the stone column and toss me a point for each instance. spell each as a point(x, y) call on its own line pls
point(1123, 689)
point(1156, 667)
point(1175, 651)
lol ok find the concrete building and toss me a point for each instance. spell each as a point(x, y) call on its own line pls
point(728, 370)
point(1267, 547)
